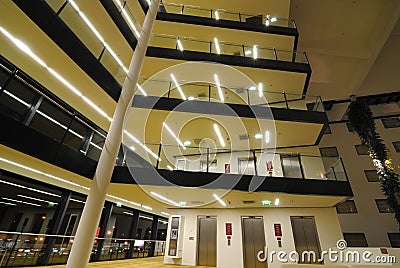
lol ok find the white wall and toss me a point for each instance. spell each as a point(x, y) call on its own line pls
point(327, 224)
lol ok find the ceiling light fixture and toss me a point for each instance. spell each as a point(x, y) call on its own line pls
point(173, 135)
point(36, 199)
point(276, 202)
point(260, 90)
point(127, 18)
point(21, 202)
point(78, 201)
point(165, 213)
point(170, 168)
point(255, 52)
point(247, 52)
point(258, 136)
point(6, 203)
point(218, 132)
point(273, 19)
point(178, 86)
point(142, 90)
point(178, 41)
point(165, 199)
point(217, 46)
point(220, 93)
point(219, 200)
point(267, 136)
point(191, 98)
point(187, 143)
point(252, 88)
point(216, 14)
point(142, 145)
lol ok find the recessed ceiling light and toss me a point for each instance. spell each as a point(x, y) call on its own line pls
point(217, 46)
point(178, 87)
point(247, 52)
point(170, 168)
point(255, 52)
point(252, 88)
point(267, 136)
point(273, 19)
point(165, 199)
point(165, 213)
point(276, 202)
point(220, 93)
point(191, 98)
point(219, 200)
point(219, 135)
point(173, 135)
point(260, 90)
point(216, 14)
point(258, 136)
point(178, 41)
point(187, 143)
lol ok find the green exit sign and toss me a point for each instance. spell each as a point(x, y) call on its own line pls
point(266, 202)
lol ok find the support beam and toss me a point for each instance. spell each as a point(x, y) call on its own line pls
point(82, 246)
point(54, 229)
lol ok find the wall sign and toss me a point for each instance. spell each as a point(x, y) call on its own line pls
point(228, 228)
point(278, 229)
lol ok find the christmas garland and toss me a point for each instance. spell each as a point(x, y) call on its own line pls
point(362, 122)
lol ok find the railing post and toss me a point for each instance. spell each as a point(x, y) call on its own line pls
point(159, 153)
point(334, 173)
point(286, 102)
point(240, 17)
point(211, 13)
point(209, 93)
point(275, 54)
point(183, 7)
point(344, 169)
point(210, 46)
point(301, 166)
point(169, 89)
point(61, 8)
point(244, 52)
point(101, 53)
point(248, 96)
point(255, 163)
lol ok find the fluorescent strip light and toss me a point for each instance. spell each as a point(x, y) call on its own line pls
point(221, 94)
point(217, 46)
point(173, 135)
point(144, 217)
point(16, 98)
point(247, 52)
point(178, 41)
point(21, 202)
point(65, 82)
point(221, 140)
point(127, 18)
point(252, 88)
point(21, 45)
point(11, 204)
point(36, 199)
point(260, 90)
point(267, 136)
point(128, 213)
point(149, 2)
point(30, 189)
point(170, 168)
point(191, 98)
point(165, 213)
point(216, 14)
point(255, 52)
point(187, 143)
point(276, 202)
point(178, 87)
point(96, 146)
point(273, 19)
point(165, 199)
point(141, 90)
point(219, 200)
point(142, 145)
point(258, 136)
point(146, 207)
point(78, 201)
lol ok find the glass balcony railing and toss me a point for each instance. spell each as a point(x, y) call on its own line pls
point(24, 249)
point(91, 37)
point(216, 46)
point(202, 91)
point(261, 162)
point(220, 14)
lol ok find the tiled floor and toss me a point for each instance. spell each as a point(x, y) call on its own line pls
point(156, 262)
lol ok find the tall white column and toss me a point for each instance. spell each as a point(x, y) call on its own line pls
point(83, 242)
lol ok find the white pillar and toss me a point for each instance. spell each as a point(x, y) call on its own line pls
point(83, 242)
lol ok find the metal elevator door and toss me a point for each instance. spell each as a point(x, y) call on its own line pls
point(291, 166)
point(207, 242)
point(306, 238)
point(253, 241)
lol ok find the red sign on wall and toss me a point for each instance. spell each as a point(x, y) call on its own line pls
point(228, 228)
point(98, 231)
point(277, 229)
point(227, 168)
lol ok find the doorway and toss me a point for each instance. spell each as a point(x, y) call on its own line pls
point(207, 241)
point(253, 241)
point(306, 238)
point(291, 166)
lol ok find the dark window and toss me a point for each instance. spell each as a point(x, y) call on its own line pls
point(347, 207)
point(329, 151)
point(51, 120)
point(383, 206)
point(362, 149)
point(328, 130)
point(95, 147)
point(396, 145)
point(76, 134)
point(391, 122)
point(394, 239)
point(355, 239)
point(372, 175)
point(16, 99)
point(349, 128)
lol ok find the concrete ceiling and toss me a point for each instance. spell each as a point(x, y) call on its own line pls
point(343, 40)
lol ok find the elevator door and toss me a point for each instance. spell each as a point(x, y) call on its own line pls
point(306, 238)
point(253, 241)
point(291, 166)
point(207, 242)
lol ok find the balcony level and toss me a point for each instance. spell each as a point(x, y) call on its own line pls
point(102, 65)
